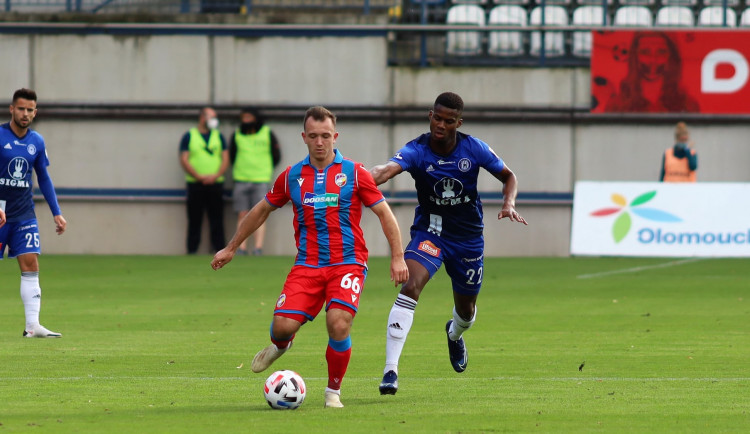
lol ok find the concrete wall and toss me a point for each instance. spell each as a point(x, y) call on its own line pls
point(143, 153)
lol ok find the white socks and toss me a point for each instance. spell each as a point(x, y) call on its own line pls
point(31, 295)
point(399, 324)
point(460, 325)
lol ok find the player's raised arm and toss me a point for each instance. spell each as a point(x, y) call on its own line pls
point(383, 172)
point(399, 271)
point(510, 191)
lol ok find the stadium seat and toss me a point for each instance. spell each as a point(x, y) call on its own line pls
point(713, 16)
point(592, 2)
point(469, 2)
point(585, 16)
point(554, 2)
point(506, 43)
point(510, 2)
point(633, 16)
point(465, 43)
point(674, 16)
point(637, 2)
point(679, 2)
point(745, 18)
point(730, 3)
point(554, 42)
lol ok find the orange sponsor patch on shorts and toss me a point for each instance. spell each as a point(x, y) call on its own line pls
point(429, 248)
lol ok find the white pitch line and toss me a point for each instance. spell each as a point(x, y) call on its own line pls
point(636, 269)
point(415, 379)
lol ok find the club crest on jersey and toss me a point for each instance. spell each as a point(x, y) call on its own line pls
point(464, 164)
point(429, 248)
point(282, 299)
point(319, 201)
point(31, 149)
point(340, 179)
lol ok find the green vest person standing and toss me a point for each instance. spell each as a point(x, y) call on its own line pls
point(254, 151)
point(204, 157)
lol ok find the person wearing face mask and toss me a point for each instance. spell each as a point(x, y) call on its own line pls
point(680, 162)
point(254, 151)
point(205, 158)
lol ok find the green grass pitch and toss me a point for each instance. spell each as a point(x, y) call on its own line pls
point(163, 344)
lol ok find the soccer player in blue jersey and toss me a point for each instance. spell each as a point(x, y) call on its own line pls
point(447, 226)
point(23, 151)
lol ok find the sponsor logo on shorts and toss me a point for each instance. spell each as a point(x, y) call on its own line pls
point(471, 259)
point(429, 248)
point(340, 179)
point(282, 299)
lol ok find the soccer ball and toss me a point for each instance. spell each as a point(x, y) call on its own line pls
point(285, 390)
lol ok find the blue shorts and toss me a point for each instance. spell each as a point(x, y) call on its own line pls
point(464, 260)
point(20, 238)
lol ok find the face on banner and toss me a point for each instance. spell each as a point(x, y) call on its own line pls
point(670, 72)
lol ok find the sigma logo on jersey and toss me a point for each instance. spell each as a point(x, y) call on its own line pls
point(340, 179)
point(17, 169)
point(429, 248)
point(320, 200)
point(448, 192)
point(282, 299)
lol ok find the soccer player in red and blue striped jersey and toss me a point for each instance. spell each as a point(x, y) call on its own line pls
point(327, 192)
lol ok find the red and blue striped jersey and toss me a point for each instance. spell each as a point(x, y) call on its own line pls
point(327, 210)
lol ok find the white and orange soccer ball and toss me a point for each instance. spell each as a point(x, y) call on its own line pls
point(285, 390)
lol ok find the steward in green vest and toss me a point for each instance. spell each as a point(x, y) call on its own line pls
point(253, 162)
point(204, 157)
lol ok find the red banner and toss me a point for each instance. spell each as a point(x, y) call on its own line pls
point(670, 71)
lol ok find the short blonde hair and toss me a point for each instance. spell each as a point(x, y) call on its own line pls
point(680, 129)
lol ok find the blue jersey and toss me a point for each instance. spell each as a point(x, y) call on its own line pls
point(449, 204)
point(18, 157)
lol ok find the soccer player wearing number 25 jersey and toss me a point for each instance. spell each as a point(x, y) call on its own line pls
point(22, 151)
point(327, 192)
point(447, 226)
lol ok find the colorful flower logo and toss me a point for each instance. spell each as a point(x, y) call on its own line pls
point(623, 222)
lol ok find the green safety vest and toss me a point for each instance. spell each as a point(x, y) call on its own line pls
point(204, 157)
point(253, 162)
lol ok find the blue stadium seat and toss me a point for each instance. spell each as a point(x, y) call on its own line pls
point(465, 43)
point(506, 43)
